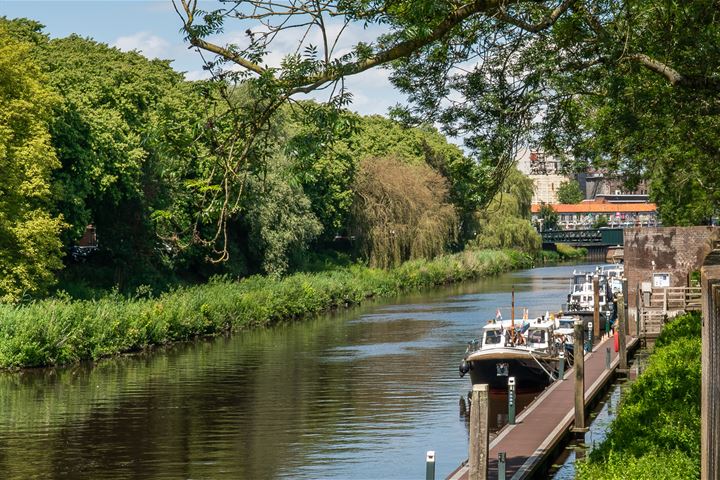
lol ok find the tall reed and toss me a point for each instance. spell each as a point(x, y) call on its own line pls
point(59, 331)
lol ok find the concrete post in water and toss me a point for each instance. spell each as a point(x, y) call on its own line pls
point(430, 465)
point(579, 379)
point(622, 330)
point(561, 367)
point(596, 306)
point(710, 399)
point(501, 465)
point(479, 413)
point(511, 400)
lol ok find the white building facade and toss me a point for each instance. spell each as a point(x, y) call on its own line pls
point(543, 170)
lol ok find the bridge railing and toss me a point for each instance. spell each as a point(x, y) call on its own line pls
point(593, 236)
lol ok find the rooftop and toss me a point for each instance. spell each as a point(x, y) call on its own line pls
point(599, 207)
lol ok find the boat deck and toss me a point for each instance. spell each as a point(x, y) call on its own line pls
point(543, 424)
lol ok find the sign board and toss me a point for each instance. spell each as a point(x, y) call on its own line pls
point(661, 279)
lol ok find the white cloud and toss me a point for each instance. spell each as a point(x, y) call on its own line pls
point(194, 75)
point(151, 46)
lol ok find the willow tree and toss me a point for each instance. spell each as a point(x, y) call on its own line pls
point(30, 246)
point(401, 211)
point(505, 222)
point(602, 79)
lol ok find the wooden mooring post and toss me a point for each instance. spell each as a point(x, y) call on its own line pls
point(622, 332)
point(479, 436)
point(710, 392)
point(579, 364)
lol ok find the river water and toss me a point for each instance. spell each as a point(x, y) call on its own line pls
point(362, 394)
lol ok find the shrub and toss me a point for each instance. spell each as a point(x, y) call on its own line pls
point(657, 431)
point(569, 252)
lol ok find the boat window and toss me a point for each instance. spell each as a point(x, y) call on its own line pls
point(536, 336)
point(492, 336)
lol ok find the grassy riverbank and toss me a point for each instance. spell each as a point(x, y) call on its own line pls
point(564, 252)
point(58, 331)
point(656, 434)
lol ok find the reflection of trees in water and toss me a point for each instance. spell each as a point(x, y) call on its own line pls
point(498, 415)
point(254, 405)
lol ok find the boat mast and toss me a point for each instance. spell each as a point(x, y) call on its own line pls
point(512, 313)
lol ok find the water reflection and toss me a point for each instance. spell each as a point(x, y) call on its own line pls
point(498, 408)
point(358, 395)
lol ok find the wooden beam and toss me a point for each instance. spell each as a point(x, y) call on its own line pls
point(710, 392)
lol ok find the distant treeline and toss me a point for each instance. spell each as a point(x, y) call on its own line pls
point(90, 135)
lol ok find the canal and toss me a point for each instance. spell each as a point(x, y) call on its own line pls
point(361, 394)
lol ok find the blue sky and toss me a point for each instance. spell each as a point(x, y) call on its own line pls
point(153, 28)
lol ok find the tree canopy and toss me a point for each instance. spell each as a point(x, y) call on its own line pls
point(569, 192)
point(126, 144)
point(548, 217)
point(628, 85)
point(30, 246)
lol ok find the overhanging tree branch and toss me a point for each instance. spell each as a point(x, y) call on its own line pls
point(333, 71)
point(660, 68)
point(227, 54)
point(674, 77)
point(546, 22)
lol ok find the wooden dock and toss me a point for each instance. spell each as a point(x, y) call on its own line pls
point(542, 425)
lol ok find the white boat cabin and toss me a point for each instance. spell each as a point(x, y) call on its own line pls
point(534, 334)
point(614, 270)
point(582, 294)
point(565, 329)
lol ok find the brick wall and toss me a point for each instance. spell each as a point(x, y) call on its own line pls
point(677, 251)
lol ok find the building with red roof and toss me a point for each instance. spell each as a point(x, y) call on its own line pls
point(586, 214)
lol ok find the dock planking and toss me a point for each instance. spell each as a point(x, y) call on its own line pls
point(546, 421)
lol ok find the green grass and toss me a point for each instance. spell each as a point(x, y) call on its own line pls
point(568, 252)
point(60, 331)
point(657, 431)
point(564, 252)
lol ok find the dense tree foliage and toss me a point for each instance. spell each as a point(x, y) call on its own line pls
point(548, 217)
point(124, 133)
point(376, 137)
point(627, 85)
point(132, 148)
point(30, 246)
point(569, 192)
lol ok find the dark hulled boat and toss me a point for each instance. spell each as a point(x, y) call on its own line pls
point(525, 350)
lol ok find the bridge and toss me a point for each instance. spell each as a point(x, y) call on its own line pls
point(585, 238)
point(596, 240)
